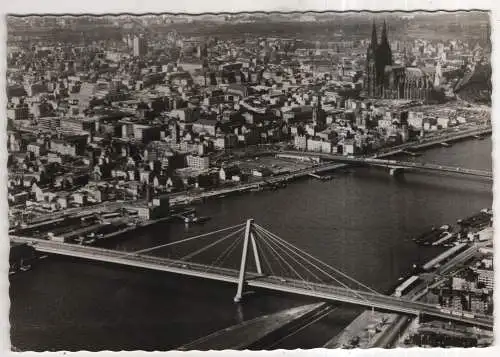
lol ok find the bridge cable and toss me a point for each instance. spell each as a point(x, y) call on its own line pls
point(273, 255)
point(183, 240)
point(264, 257)
point(227, 251)
point(201, 250)
point(291, 268)
point(349, 289)
point(317, 260)
point(323, 263)
point(230, 251)
point(266, 246)
point(304, 259)
point(345, 286)
point(296, 261)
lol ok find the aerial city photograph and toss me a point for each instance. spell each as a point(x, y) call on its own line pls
point(249, 181)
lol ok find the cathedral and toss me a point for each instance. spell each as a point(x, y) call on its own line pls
point(385, 80)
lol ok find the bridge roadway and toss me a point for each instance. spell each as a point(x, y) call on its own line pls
point(393, 163)
point(344, 161)
point(452, 137)
point(321, 291)
point(430, 141)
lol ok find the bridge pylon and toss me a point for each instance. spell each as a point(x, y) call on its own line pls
point(249, 238)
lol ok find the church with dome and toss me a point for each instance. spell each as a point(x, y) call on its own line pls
point(386, 80)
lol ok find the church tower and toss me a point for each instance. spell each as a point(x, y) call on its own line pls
point(439, 75)
point(383, 56)
point(318, 114)
point(371, 53)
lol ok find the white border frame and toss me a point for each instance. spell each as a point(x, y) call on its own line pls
point(197, 6)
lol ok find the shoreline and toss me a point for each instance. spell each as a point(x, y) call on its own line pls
point(372, 329)
point(466, 135)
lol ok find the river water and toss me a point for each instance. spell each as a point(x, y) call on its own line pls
point(361, 222)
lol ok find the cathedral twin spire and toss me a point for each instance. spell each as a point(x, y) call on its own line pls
point(374, 43)
point(384, 34)
point(374, 34)
point(384, 48)
point(381, 52)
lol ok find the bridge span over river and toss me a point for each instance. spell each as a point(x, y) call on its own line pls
point(394, 165)
point(261, 253)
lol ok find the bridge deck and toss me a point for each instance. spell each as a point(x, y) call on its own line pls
point(374, 161)
point(321, 291)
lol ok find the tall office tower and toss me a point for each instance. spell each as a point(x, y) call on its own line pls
point(139, 46)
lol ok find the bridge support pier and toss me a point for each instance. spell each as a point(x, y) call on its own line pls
point(249, 237)
point(396, 171)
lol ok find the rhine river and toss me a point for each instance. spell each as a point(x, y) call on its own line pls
point(361, 222)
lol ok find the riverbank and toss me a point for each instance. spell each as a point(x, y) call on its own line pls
point(379, 329)
point(190, 198)
point(363, 331)
point(257, 332)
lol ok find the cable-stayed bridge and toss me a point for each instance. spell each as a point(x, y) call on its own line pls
point(249, 255)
